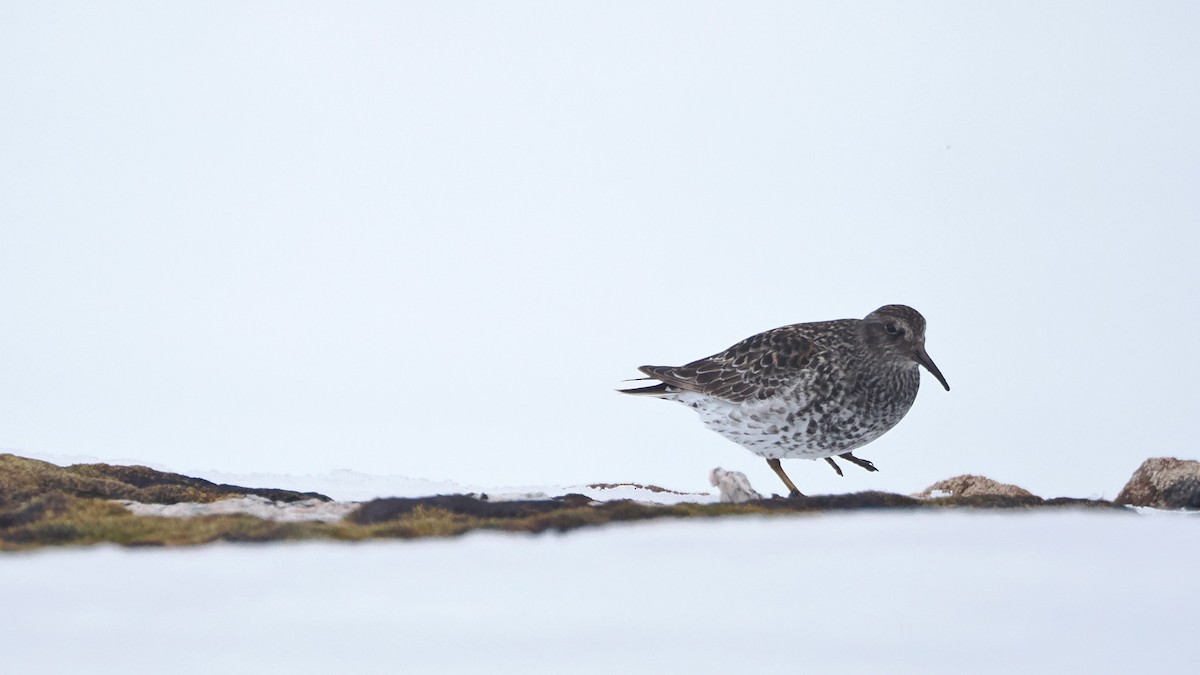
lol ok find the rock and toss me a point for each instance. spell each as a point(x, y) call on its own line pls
point(734, 486)
point(968, 485)
point(1164, 483)
point(22, 479)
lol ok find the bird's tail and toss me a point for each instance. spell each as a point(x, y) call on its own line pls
point(659, 389)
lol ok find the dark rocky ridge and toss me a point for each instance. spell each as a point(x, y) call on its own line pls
point(22, 479)
point(45, 504)
point(379, 511)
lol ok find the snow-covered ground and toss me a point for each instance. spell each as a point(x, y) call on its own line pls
point(347, 485)
point(853, 593)
point(325, 511)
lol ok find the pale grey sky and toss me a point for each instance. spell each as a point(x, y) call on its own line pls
point(431, 238)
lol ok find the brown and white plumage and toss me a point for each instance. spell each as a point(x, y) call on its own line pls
point(809, 390)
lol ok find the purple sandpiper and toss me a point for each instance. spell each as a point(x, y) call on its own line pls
point(808, 390)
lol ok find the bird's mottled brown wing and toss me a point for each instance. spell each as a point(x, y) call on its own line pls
point(758, 367)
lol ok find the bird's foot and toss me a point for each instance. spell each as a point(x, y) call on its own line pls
point(864, 463)
point(832, 463)
point(793, 497)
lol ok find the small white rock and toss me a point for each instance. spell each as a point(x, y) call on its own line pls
point(734, 486)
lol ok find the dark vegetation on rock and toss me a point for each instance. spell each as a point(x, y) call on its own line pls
point(43, 504)
point(46, 504)
point(22, 479)
point(535, 515)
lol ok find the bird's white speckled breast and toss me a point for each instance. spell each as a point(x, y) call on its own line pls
point(782, 429)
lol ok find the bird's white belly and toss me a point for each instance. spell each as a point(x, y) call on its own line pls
point(773, 429)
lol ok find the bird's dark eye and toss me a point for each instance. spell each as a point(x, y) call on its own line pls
point(892, 329)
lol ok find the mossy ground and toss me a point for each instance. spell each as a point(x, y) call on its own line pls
point(42, 504)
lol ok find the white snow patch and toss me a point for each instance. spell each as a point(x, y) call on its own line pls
point(1151, 511)
point(928, 593)
point(638, 493)
point(368, 487)
point(251, 505)
point(360, 487)
point(342, 484)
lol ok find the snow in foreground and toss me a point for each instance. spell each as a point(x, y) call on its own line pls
point(849, 593)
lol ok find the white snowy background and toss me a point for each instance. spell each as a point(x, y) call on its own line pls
point(428, 239)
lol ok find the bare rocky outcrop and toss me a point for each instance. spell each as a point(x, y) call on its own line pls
point(969, 485)
point(1164, 483)
point(22, 479)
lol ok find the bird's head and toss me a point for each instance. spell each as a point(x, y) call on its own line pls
point(897, 333)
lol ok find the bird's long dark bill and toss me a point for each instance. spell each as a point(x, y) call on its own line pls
point(922, 358)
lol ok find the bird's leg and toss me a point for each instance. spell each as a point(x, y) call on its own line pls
point(864, 463)
point(832, 463)
point(778, 469)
